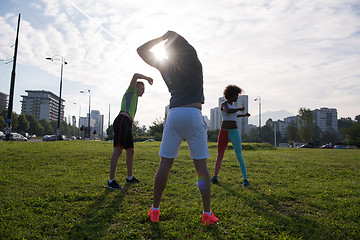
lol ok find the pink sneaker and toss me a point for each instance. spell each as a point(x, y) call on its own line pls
point(207, 220)
point(154, 215)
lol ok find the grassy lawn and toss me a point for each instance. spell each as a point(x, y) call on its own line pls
point(56, 190)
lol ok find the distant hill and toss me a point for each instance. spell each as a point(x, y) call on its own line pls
point(276, 115)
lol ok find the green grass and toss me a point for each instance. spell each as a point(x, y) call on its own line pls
point(56, 190)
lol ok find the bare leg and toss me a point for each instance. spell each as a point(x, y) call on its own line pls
point(129, 161)
point(161, 178)
point(203, 182)
point(114, 160)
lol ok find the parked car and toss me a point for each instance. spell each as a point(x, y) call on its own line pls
point(339, 147)
point(352, 147)
point(2, 135)
point(25, 134)
point(51, 138)
point(306, 146)
point(17, 137)
point(327, 146)
point(284, 145)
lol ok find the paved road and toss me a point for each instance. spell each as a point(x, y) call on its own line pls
point(35, 140)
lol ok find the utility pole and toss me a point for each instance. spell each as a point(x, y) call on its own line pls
point(12, 86)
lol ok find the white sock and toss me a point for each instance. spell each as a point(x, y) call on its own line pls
point(208, 213)
point(130, 178)
point(154, 208)
point(111, 180)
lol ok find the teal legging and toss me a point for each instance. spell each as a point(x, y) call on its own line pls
point(223, 140)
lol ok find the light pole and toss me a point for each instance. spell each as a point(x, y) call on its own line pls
point(62, 59)
point(83, 92)
point(274, 134)
point(258, 98)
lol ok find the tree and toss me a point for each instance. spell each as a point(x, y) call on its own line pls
point(110, 132)
point(354, 134)
point(65, 128)
point(156, 129)
point(53, 124)
point(357, 118)
point(137, 130)
point(35, 126)
point(23, 125)
point(252, 136)
point(2, 123)
point(267, 133)
point(331, 136)
point(48, 130)
point(213, 135)
point(345, 123)
point(14, 121)
point(292, 133)
point(306, 131)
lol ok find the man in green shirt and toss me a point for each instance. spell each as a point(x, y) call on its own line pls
point(123, 138)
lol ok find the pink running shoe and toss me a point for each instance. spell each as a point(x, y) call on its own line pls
point(154, 215)
point(207, 220)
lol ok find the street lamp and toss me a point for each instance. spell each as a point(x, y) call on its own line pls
point(258, 98)
point(62, 59)
point(83, 92)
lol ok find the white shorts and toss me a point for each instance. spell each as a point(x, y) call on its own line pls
point(184, 123)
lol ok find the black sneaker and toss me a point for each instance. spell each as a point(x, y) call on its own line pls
point(214, 180)
point(246, 183)
point(133, 180)
point(113, 185)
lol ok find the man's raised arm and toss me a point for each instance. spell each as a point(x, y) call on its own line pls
point(139, 76)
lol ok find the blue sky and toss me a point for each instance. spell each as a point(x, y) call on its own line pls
point(291, 53)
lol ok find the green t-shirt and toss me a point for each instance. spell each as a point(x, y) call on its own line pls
point(129, 102)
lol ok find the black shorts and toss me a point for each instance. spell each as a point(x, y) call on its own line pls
point(123, 132)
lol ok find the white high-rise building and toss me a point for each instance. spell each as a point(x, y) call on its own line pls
point(326, 119)
point(281, 126)
point(215, 119)
point(99, 122)
point(96, 122)
point(43, 105)
point(84, 122)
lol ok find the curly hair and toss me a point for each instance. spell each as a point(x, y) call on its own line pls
point(232, 91)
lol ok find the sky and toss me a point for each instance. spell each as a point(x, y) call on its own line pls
point(291, 53)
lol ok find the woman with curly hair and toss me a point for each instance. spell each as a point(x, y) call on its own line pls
point(229, 130)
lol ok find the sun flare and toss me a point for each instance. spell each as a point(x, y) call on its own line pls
point(159, 50)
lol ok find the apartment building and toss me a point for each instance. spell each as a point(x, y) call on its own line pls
point(42, 104)
point(3, 101)
point(326, 119)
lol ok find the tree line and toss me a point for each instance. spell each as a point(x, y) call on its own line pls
point(348, 132)
point(141, 133)
point(27, 123)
